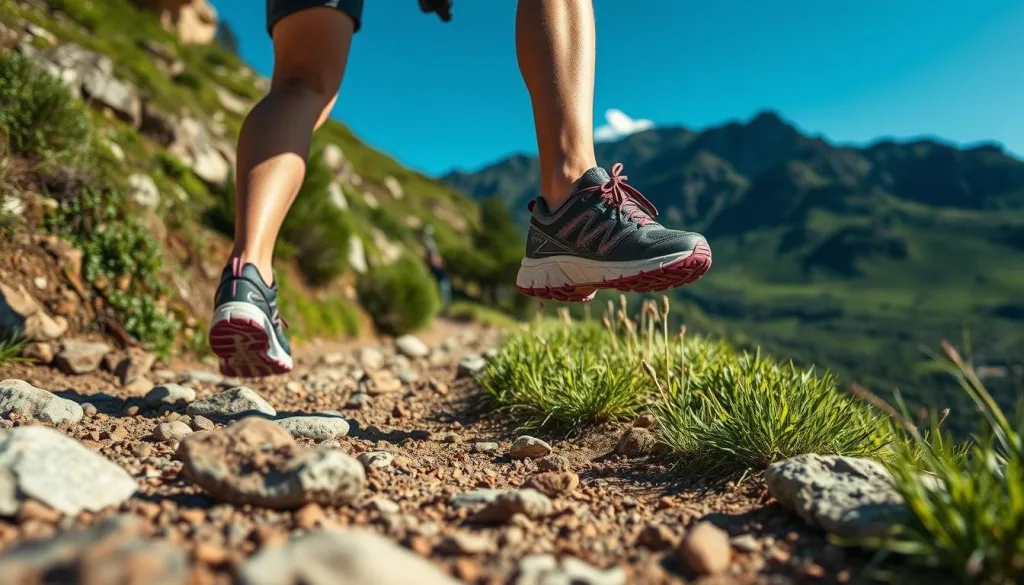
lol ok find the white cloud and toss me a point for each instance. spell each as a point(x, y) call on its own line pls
point(620, 125)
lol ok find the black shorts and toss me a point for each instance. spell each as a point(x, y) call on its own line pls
point(278, 9)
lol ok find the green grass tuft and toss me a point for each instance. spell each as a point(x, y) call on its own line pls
point(11, 347)
point(728, 411)
point(967, 507)
point(39, 116)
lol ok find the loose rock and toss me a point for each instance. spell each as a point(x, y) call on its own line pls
point(465, 543)
point(657, 537)
point(80, 357)
point(255, 461)
point(553, 483)
point(475, 497)
point(554, 462)
point(705, 548)
point(236, 402)
point(528, 502)
point(169, 394)
point(319, 427)
point(370, 359)
point(376, 459)
point(38, 462)
point(485, 447)
point(412, 346)
point(172, 431)
point(527, 447)
point(21, 397)
point(845, 496)
point(380, 382)
point(471, 365)
point(636, 442)
point(330, 557)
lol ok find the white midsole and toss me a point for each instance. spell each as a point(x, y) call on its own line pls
point(558, 271)
point(238, 310)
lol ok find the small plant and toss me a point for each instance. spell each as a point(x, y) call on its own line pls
point(966, 506)
point(400, 297)
point(39, 116)
point(11, 347)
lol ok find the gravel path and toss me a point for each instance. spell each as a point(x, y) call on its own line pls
point(282, 480)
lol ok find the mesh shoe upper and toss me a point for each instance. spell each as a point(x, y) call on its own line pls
point(605, 220)
point(243, 284)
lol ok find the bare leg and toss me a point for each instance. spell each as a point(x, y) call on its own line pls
point(310, 51)
point(556, 50)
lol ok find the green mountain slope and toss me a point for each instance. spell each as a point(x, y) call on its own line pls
point(155, 122)
point(846, 257)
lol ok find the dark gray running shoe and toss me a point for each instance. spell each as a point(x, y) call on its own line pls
point(605, 236)
point(247, 332)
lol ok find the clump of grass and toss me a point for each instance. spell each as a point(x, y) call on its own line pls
point(966, 505)
point(39, 116)
point(561, 376)
point(728, 411)
point(11, 347)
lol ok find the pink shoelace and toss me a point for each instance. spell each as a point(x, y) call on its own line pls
point(624, 196)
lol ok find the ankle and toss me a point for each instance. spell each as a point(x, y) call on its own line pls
point(559, 185)
point(264, 266)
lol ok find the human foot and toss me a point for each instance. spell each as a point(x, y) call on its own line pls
point(247, 333)
point(605, 236)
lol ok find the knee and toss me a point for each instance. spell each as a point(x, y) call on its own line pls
point(320, 86)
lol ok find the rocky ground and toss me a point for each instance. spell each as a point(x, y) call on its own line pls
point(114, 469)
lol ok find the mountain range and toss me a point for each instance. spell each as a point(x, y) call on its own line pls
point(848, 257)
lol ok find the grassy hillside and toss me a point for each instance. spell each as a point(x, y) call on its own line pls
point(849, 258)
point(120, 140)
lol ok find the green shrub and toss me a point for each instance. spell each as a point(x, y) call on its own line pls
point(11, 347)
point(400, 297)
point(967, 511)
point(318, 231)
point(39, 116)
point(115, 245)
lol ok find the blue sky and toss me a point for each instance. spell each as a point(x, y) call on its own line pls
point(438, 96)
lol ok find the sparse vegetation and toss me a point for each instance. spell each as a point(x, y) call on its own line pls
point(11, 347)
point(39, 117)
point(967, 505)
point(400, 297)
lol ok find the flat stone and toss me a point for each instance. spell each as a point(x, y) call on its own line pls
point(528, 502)
point(553, 483)
point(223, 462)
point(21, 397)
point(412, 346)
point(332, 557)
point(319, 427)
point(169, 394)
point(172, 431)
point(471, 366)
point(485, 447)
point(235, 402)
point(527, 447)
point(41, 463)
point(475, 497)
point(846, 496)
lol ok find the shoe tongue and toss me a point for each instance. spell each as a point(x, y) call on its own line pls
point(593, 178)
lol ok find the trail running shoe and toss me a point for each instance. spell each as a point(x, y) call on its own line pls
point(605, 237)
point(247, 332)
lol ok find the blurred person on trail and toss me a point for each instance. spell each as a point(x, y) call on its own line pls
point(589, 228)
point(435, 262)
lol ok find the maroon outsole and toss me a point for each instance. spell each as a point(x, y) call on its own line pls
point(242, 346)
point(676, 274)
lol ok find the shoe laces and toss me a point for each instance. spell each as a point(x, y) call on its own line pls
point(625, 197)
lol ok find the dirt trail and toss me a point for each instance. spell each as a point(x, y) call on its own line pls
point(625, 519)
